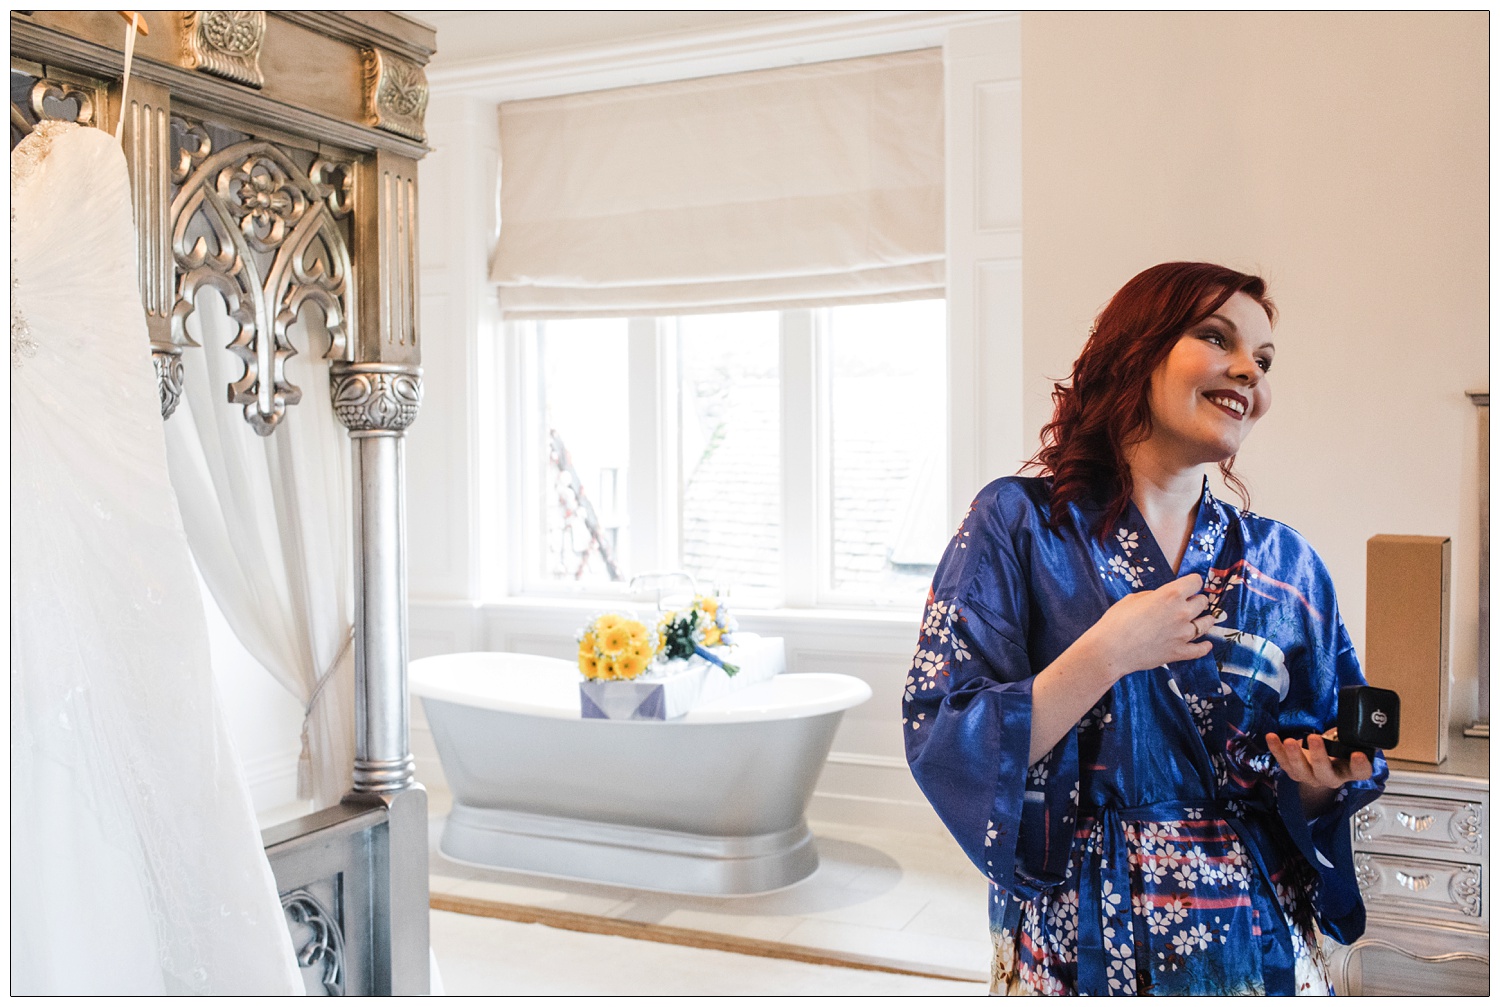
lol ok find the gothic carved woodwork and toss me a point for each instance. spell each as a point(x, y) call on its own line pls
point(248, 223)
point(225, 43)
point(318, 937)
point(395, 94)
point(55, 99)
point(41, 94)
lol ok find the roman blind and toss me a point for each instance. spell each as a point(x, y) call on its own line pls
point(813, 184)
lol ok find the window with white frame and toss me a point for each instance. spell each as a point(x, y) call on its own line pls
point(726, 328)
point(790, 457)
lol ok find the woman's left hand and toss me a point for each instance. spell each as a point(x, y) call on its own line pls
point(1318, 774)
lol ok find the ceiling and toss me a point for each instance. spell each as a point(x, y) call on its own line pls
point(464, 36)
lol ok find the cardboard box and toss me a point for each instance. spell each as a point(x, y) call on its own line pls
point(1406, 636)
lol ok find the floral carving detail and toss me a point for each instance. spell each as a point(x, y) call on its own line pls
point(264, 200)
point(403, 91)
point(236, 32)
point(168, 366)
point(1466, 889)
point(370, 399)
point(226, 43)
point(395, 94)
point(1366, 874)
point(1468, 827)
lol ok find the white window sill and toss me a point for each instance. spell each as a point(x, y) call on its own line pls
point(760, 620)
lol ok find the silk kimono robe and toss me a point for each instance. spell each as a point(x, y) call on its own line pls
point(1158, 848)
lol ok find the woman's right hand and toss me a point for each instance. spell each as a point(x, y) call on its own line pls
point(1150, 628)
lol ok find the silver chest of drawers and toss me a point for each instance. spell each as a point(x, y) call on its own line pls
point(1421, 853)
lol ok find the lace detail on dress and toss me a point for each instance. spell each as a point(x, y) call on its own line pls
point(22, 343)
point(24, 162)
point(32, 150)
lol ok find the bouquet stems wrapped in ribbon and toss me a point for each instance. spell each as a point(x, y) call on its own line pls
point(694, 630)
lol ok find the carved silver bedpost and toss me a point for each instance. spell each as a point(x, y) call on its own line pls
point(376, 394)
point(1481, 726)
point(255, 180)
point(146, 136)
point(376, 400)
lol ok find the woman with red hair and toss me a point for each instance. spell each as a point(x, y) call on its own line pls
point(1114, 666)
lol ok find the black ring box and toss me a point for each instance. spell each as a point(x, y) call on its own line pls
point(1368, 718)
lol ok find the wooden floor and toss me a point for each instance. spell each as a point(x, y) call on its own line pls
point(684, 937)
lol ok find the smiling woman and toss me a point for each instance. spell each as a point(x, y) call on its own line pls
point(1110, 661)
point(1211, 389)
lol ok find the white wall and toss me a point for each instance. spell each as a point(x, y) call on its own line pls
point(1344, 157)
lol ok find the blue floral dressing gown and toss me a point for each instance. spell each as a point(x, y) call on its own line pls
point(1158, 848)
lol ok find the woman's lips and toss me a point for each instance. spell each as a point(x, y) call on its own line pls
point(1222, 400)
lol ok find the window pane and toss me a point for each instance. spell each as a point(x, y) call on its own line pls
point(890, 472)
point(585, 443)
point(730, 444)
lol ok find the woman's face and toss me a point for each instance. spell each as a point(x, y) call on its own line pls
point(1212, 387)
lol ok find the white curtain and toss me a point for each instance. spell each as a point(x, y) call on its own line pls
point(268, 520)
point(813, 184)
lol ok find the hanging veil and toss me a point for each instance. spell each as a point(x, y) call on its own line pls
point(136, 864)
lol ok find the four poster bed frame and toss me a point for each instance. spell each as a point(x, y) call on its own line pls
point(317, 117)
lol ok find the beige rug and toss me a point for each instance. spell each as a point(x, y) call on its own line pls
point(902, 903)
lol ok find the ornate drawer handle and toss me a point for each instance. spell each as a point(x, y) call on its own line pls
point(1417, 823)
point(1415, 882)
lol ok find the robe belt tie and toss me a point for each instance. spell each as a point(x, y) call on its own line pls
point(1108, 947)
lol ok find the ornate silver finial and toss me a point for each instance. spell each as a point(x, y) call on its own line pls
point(168, 363)
point(376, 396)
point(395, 94)
point(225, 43)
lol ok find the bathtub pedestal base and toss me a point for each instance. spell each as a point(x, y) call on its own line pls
point(628, 855)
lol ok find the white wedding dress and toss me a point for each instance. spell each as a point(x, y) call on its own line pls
point(136, 864)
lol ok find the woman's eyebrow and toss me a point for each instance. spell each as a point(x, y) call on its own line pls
point(1234, 330)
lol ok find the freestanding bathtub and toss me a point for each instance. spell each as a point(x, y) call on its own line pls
point(712, 803)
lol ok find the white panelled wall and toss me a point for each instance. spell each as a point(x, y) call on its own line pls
point(458, 513)
point(982, 68)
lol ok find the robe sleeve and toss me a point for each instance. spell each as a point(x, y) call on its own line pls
point(1325, 665)
point(967, 707)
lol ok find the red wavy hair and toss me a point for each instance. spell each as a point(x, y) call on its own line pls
point(1106, 407)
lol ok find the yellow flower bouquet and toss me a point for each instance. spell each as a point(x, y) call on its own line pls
point(615, 648)
point(631, 670)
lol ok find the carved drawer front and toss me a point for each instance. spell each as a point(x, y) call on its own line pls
point(1427, 825)
point(1435, 889)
